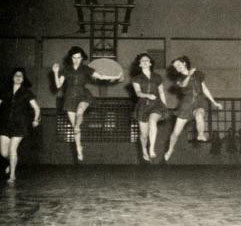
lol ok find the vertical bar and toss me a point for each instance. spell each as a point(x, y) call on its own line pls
point(127, 16)
point(210, 121)
point(38, 61)
point(168, 49)
point(104, 33)
point(91, 33)
point(233, 117)
point(116, 33)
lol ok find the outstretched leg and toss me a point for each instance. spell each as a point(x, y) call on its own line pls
point(153, 119)
point(144, 130)
point(14, 144)
point(76, 120)
point(72, 116)
point(200, 123)
point(180, 123)
point(5, 151)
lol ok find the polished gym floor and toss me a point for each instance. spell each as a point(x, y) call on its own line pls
point(142, 195)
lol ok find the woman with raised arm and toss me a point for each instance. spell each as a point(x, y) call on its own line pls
point(151, 106)
point(15, 116)
point(77, 97)
point(192, 104)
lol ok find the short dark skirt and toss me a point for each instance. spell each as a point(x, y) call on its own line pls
point(146, 107)
point(71, 103)
point(187, 106)
point(15, 129)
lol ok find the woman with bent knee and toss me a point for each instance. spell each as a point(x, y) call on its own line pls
point(77, 97)
point(194, 90)
point(15, 116)
point(151, 106)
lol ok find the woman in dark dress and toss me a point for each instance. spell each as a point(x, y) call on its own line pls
point(77, 98)
point(151, 106)
point(15, 117)
point(192, 105)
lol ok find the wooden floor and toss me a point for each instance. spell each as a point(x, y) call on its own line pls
point(123, 195)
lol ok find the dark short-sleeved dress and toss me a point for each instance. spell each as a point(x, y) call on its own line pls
point(75, 91)
point(192, 97)
point(145, 106)
point(15, 112)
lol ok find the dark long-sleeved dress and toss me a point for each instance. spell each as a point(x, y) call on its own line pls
point(192, 96)
point(145, 106)
point(15, 112)
point(75, 90)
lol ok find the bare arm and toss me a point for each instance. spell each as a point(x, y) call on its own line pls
point(0, 102)
point(140, 94)
point(59, 80)
point(210, 97)
point(162, 94)
point(36, 109)
point(185, 82)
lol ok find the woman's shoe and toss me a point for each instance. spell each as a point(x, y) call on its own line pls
point(11, 180)
point(202, 139)
point(146, 157)
point(163, 161)
point(80, 154)
point(152, 154)
point(166, 156)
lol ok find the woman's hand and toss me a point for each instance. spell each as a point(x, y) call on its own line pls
point(151, 97)
point(35, 123)
point(119, 78)
point(218, 105)
point(55, 68)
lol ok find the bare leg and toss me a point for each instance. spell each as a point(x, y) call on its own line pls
point(76, 119)
point(5, 152)
point(154, 118)
point(200, 124)
point(144, 130)
point(72, 116)
point(180, 123)
point(15, 141)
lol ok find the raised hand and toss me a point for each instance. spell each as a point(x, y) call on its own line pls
point(35, 123)
point(219, 106)
point(55, 68)
point(120, 77)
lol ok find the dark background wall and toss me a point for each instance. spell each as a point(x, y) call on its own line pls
point(35, 34)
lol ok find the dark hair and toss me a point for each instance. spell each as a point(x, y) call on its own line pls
point(72, 51)
point(172, 73)
point(26, 81)
point(183, 59)
point(135, 67)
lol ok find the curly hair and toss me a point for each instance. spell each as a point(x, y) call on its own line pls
point(26, 81)
point(172, 73)
point(74, 50)
point(135, 66)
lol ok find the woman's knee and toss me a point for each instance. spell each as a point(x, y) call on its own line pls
point(153, 120)
point(200, 112)
point(82, 108)
point(4, 150)
point(80, 111)
point(5, 154)
point(144, 134)
point(152, 123)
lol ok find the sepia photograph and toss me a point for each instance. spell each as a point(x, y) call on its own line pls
point(120, 113)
